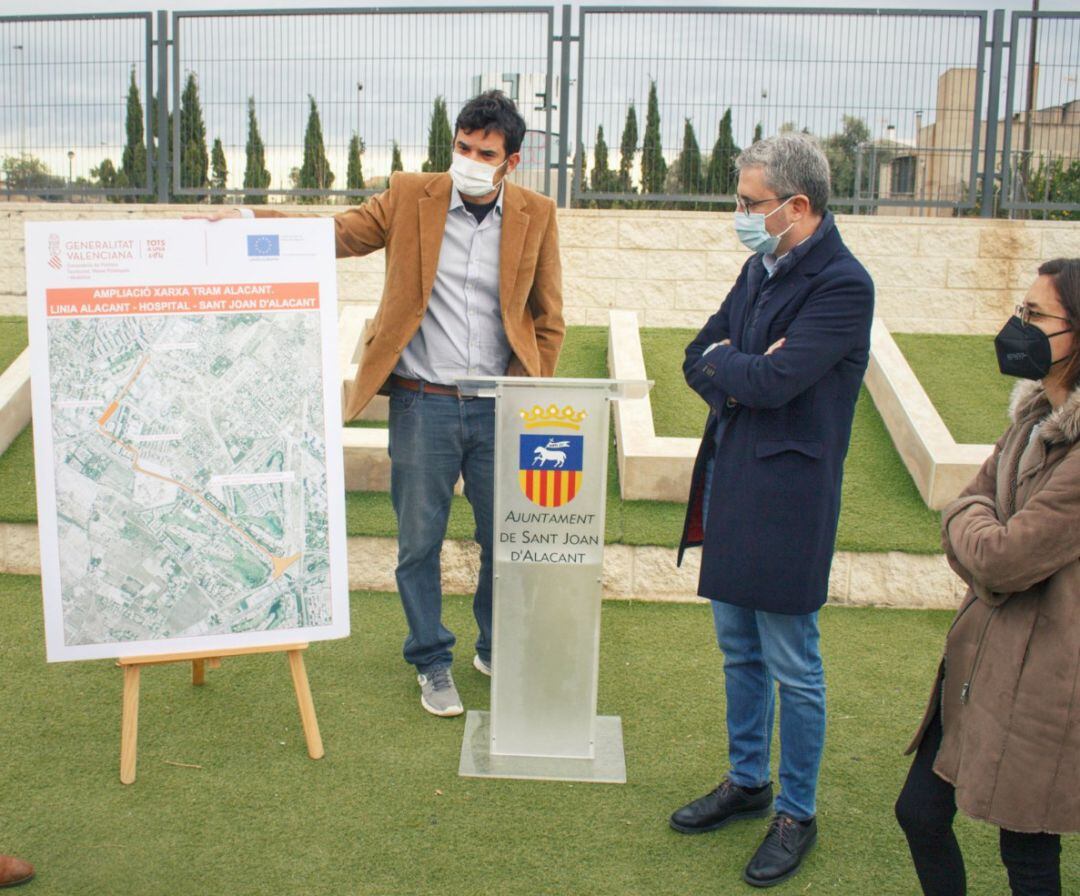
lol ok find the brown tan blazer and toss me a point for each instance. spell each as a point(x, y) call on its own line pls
point(408, 220)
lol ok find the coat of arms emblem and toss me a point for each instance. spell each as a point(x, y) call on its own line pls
point(550, 463)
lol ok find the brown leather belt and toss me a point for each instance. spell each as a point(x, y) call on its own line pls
point(424, 386)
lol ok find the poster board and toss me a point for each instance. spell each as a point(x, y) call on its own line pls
point(187, 434)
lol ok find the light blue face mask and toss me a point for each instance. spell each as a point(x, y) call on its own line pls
point(751, 231)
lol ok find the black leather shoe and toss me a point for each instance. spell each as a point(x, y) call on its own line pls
point(727, 803)
point(782, 851)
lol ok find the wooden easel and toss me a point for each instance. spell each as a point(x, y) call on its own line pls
point(132, 666)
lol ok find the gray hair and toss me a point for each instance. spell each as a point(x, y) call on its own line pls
point(791, 163)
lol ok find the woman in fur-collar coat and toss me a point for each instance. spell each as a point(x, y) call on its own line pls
point(1001, 736)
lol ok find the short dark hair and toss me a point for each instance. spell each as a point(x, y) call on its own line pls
point(490, 111)
point(1064, 273)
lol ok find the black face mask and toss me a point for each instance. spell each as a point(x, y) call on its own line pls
point(1024, 350)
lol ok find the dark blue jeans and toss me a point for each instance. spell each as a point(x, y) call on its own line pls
point(433, 440)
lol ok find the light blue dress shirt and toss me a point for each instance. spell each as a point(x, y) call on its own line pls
point(462, 333)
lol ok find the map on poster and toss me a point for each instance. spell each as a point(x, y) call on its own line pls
point(187, 434)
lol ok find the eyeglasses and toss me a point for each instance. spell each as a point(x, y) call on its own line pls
point(1027, 315)
point(745, 205)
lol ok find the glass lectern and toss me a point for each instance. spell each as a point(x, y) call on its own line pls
point(550, 481)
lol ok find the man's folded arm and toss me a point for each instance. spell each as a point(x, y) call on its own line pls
point(716, 331)
point(830, 325)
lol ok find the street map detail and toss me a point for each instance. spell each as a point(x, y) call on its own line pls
point(190, 496)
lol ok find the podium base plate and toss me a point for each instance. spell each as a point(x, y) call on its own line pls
point(608, 766)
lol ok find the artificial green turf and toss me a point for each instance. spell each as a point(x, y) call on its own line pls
point(961, 377)
point(677, 410)
point(584, 353)
point(17, 500)
point(385, 811)
point(13, 339)
point(881, 509)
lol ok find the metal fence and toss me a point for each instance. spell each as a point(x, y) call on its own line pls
point(1040, 164)
point(372, 73)
point(869, 84)
point(912, 107)
point(62, 111)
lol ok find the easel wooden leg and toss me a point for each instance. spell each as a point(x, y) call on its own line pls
point(306, 704)
point(129, 725)
point(200, 662)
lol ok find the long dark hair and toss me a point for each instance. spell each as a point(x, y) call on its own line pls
point(1064, 273)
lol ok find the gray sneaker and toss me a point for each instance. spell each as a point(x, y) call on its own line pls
point(480, 666)
point(438, 694)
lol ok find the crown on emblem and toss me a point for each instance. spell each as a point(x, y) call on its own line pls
point(552, 415)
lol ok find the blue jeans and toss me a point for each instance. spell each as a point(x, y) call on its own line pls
point(760, 650)
point(433, 440)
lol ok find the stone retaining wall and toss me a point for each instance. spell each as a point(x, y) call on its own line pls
point(630, 573)
point(948, 275)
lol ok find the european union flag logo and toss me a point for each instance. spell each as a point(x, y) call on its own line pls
point(263, 245)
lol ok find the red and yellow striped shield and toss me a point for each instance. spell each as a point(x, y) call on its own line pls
point(549, 468)
point(550, 488)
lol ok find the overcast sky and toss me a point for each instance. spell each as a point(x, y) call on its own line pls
point(808, 70)
point(30, 7)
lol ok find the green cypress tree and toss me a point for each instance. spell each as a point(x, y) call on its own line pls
point(721, 176)
point(603, 179)
point(155, 141)
point(580, 177)
point(354, 174)
point(440, 139)
point(653, 165)
point(315, 172)
point(757, 132)
point(395, 159)
point(627, 151)
point(256, 177)
point(220, 171)
point(688, 168)
point(194, 159)
point(133, 161)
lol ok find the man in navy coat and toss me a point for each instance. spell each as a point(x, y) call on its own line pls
point(780, 366)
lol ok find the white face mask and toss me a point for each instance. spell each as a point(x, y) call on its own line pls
point(751, 230)
point(473, 178)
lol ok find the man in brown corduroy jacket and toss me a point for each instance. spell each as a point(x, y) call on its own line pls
point(473, 288)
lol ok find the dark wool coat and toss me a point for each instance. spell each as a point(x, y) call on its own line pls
point(1010, 697)
point(775, 492)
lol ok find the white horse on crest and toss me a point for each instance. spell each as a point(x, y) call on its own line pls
point(542, 455)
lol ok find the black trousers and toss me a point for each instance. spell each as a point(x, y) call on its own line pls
point(925, 810)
